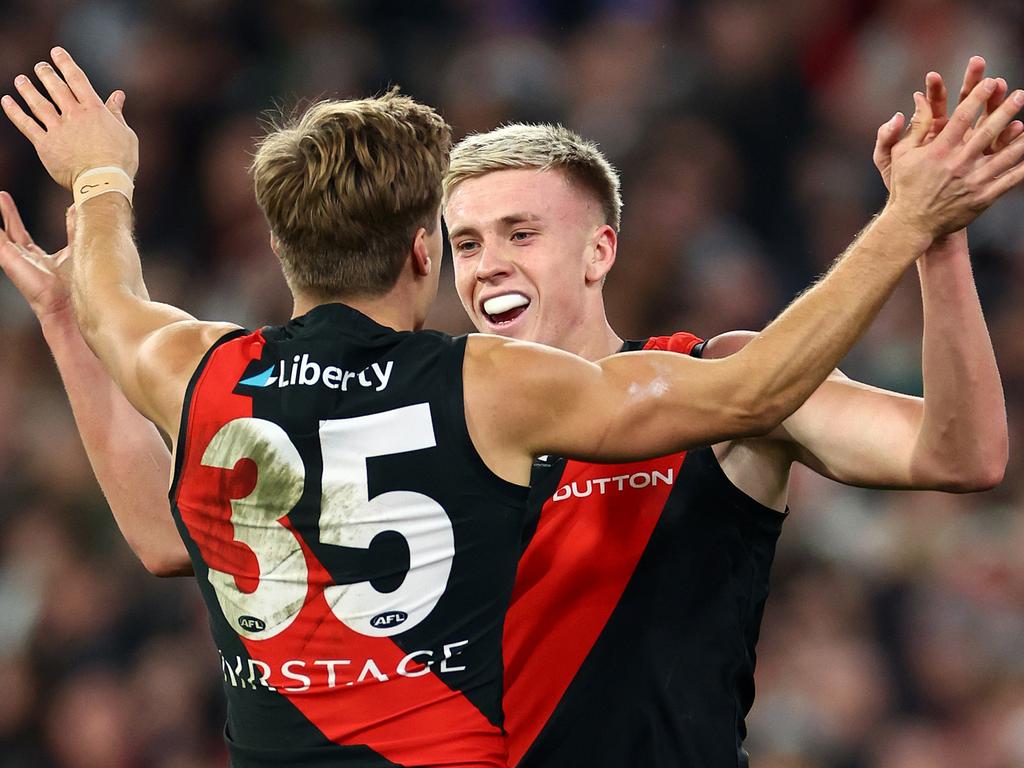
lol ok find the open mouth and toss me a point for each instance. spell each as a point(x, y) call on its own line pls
point(501, 310)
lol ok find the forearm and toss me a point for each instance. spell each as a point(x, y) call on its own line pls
point(106, 271)
point(128, 457)
point(963, 437)
point(786, 362)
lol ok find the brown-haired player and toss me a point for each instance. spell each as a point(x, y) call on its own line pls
point(350, 490)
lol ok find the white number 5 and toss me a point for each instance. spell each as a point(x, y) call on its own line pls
point(348, 517)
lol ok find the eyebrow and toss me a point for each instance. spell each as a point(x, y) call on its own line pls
point(507, 221)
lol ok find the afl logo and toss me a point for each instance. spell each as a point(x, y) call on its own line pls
point(388, 619)
point(251, 624)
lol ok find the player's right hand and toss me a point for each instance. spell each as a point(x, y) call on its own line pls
point(76, 130)
point(940, 186)
point(935, 91)
point(40, 277)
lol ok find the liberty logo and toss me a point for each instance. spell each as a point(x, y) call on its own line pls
point(304, 372)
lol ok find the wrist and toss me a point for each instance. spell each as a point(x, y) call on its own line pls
point(96, 181)
point(895, 226)
point(58, 322)
point(949, 246)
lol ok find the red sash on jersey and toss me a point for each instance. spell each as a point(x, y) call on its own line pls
point(590, 537)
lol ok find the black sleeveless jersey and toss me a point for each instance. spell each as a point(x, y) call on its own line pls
point(636, 609)
point(355, 554)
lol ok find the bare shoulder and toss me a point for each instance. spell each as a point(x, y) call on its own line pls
point(520, 373)
point(518, 358)
point(516, 394)
point(167, 359)
point(728, 343)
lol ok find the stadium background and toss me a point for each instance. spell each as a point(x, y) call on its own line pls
point(743, 128)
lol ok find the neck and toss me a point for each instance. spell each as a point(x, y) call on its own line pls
point(598, 342)
point(392, 310)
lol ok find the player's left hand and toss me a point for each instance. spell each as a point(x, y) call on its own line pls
point(76, 130)
point(40, 277)
point(889, 133)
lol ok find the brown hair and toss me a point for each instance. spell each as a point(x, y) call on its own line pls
point(546, 146)
point(346, 185)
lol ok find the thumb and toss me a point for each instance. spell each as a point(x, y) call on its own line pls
point(69, 223)
point(115, 103)
point(70, 216)
point(921, 122)
point(888, 135)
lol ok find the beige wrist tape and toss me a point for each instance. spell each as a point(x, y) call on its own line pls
point(99, 181)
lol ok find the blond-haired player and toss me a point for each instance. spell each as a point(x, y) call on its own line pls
point(635, 644)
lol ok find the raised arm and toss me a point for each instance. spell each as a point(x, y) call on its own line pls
point(955, 438)
point(114, 434)
point(642, 404)
point(149, 349)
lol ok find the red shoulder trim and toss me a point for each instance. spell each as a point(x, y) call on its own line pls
point(681, 342)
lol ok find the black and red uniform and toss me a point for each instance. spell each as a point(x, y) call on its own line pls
point(355, 554)
point(636, 609)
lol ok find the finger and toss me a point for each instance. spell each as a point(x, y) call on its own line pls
point(997, 97)
point(13, 225)
point(57, 88)
point(115, 103)
point(921, 122)
point(993, 126)
point(963, 116)
point(29, 128)
point(74, 77)
point(1011, 132)
point(972, 76)
point(1010, 177)
point(1001, 161)
point(938, 97)
point(41, 107)
point(20, 267)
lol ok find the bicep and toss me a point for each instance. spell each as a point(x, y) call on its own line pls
point(625, 407)
point(856, 434)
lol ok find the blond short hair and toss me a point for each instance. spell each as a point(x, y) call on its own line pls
point(544, 147)
point(346, 185)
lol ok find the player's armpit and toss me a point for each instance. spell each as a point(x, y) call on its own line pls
point(524, 400)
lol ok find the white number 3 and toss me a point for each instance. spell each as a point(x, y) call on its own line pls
point(348, 517)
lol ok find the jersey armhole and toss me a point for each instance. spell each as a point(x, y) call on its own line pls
point(457, 402)
point(186, 405)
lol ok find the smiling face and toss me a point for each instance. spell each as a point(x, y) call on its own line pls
point(531, 251)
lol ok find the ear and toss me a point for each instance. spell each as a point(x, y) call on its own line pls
point(275, 245)
point(602, 254)
point(421, 263)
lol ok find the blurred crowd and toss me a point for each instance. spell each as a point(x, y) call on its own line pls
point(894, 637)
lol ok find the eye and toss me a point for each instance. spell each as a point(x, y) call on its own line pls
point(464, 247)
point(522, 235)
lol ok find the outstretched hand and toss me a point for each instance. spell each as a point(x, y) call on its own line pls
point(40, 277)
point(936, 95)
point(74, 129)
point(940, 185)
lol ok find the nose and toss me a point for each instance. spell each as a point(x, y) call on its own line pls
point(492, 264)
